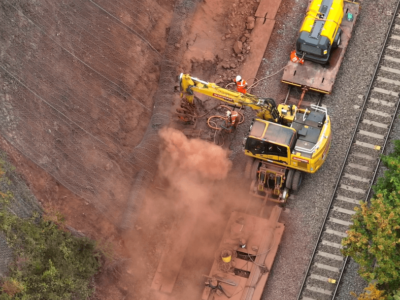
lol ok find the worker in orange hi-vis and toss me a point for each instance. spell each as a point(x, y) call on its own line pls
point(294, 58)
point(233, 119)
point(241, 84)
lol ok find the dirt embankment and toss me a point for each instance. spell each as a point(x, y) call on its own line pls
point(79, 82)
point(219, 40)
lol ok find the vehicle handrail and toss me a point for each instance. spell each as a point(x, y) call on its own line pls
point(322, 136)
point(316, 146)
point(305, 114)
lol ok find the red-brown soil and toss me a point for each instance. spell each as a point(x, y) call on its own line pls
point(78, 83)
point(217, 26)
point(101, 70)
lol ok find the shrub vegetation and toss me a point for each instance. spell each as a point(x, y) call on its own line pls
point(373, 240)
point(50, 263)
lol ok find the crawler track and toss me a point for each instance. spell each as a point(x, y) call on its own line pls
point(370, 136)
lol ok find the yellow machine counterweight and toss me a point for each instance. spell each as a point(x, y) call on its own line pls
point(320, 32)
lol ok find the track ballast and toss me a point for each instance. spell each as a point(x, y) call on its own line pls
point(362, 160)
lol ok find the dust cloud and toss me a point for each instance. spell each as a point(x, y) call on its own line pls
point(184, 216)
point(192, 169)
point(191, 160)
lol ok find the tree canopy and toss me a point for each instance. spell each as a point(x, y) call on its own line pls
point(49, 262)
point(373, 240)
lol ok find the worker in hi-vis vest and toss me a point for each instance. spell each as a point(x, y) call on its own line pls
point(241, 84)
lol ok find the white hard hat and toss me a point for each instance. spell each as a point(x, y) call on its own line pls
point(228, 113)
point(238, 78)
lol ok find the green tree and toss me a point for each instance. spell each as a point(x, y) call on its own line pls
point(50, 262)
point(373, 240)
point(372, 292)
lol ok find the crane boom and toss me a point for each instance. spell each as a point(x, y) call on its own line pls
point(266, 107)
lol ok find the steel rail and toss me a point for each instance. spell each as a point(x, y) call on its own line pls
point(347, 156)
point(369, 189)
point(367, 197)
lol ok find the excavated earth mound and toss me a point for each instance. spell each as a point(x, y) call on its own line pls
point(85, 88)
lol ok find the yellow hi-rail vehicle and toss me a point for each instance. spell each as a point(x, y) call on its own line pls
point(284, 141)
point(320, 32)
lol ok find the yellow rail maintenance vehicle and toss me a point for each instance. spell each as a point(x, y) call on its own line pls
point(284, 141)
point(320, 32)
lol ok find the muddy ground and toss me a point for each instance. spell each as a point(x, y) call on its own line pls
point(85, 83)
point(79, 81)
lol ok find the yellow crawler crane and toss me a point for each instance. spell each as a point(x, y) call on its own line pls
point(284, 141)
point(320, 32)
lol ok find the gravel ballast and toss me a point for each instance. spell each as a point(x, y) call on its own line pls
point(304, 214)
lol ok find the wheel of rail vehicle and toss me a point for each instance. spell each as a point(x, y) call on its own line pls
point(247, 169)
point(285, 196)
point(254, 168)
point(297, 179)
point(338, 39)
point(289, 178)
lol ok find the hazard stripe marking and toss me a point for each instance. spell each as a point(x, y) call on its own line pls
point(376, 124)
point(330, 256)
point(318, 290)
point(382, 102)
point(326, 267)
point(386, 92)
point(352, 189)
point(331, 244)
point(334, 232)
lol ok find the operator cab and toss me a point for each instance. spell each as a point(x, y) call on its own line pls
point(271, 139)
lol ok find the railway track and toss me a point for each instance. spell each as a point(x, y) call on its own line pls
point(374, 123)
